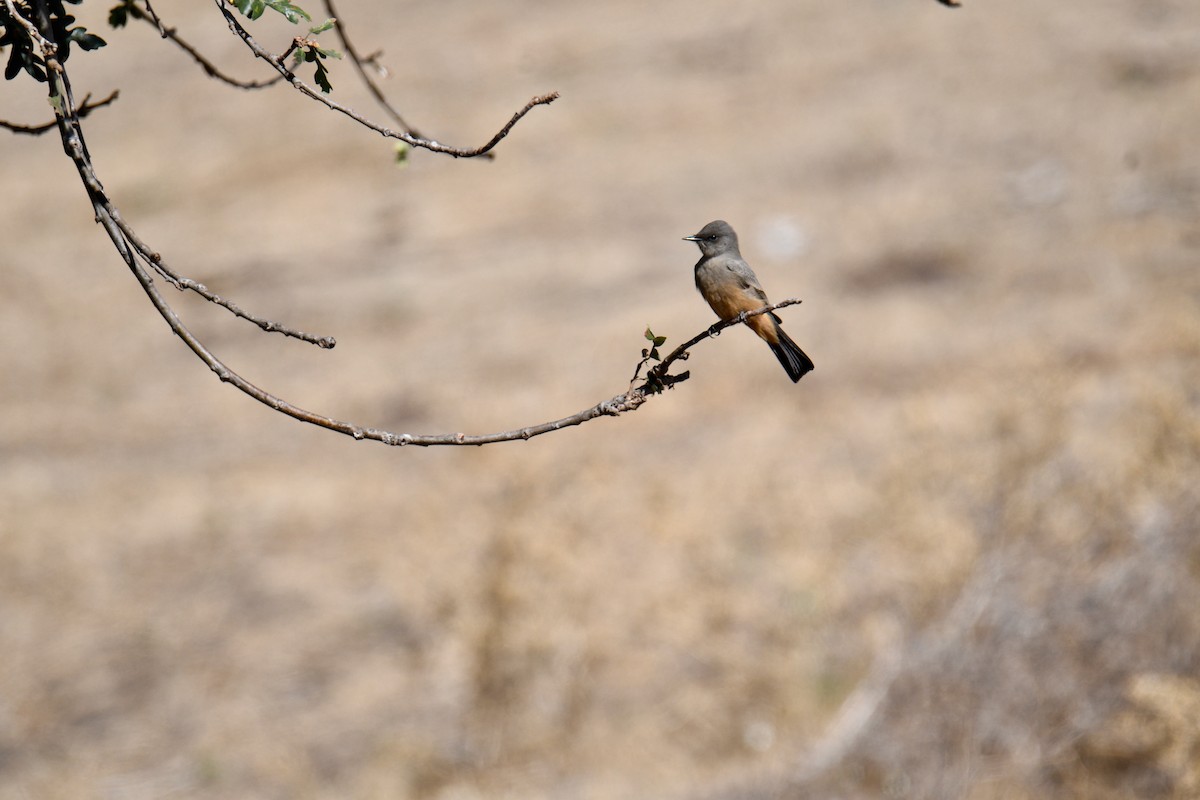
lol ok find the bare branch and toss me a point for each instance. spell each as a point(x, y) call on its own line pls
point(404, 136)
point(85, 108)
point(209, 68)
point(360, 65)
point(182, 283)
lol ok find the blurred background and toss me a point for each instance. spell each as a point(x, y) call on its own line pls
point(959, 560)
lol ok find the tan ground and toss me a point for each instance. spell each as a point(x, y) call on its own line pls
point(959, 560)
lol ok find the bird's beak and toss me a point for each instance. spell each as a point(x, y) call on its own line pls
point(691, 238)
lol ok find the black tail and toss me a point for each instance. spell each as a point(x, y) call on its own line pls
point(795, 361)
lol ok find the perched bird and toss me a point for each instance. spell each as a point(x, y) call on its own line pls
point(731, 287)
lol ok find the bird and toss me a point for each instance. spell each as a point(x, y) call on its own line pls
point(730, 287)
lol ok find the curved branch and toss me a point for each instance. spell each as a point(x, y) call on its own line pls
point(133, 251)
point(404, 136)
point(209, 68)
point(129, 249)
point(67, 116)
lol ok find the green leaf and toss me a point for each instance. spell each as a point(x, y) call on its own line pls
point(654, 354)
point(327, 53)
point(402, 151)
point(659, 341)
point(292, 13)
point(251, 8)
point(324, 26)
point(649, 334)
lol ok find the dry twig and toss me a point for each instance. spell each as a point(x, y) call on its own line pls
point(210, 69)
point(405, 136)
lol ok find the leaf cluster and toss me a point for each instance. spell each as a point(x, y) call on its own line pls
point(656, 378)
point(655, 343)
point(22, 54)
point(308, 50)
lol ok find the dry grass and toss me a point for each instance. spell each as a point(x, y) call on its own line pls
point(957, 561)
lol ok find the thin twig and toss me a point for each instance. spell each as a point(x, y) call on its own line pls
point(85, 108)
point(360, 65)
point(404, 136)
point(209, 68)
point(182, 283)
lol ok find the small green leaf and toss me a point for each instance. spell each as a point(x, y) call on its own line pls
point(654, 354)
point(649, 334)
point(659, 341)
point(324, 26)
point(118, 15)
point(292, 13)
point(402, 151)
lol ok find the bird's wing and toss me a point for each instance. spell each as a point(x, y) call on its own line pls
point(747, 280)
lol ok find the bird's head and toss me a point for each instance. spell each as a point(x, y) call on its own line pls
point(715, 238)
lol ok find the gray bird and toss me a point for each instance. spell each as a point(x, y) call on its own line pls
point(726, 281)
